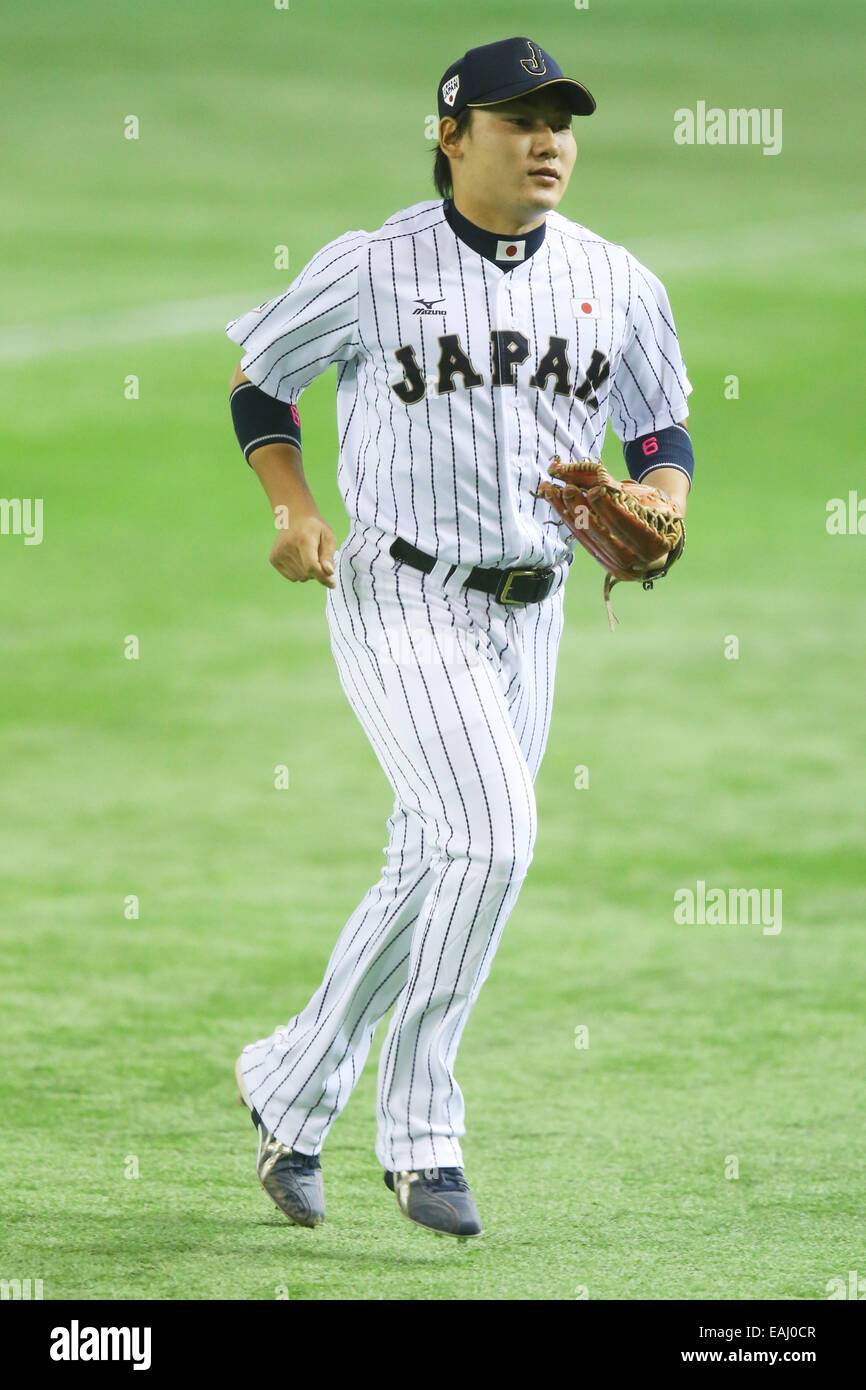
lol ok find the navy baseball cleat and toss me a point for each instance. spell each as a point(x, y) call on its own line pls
point(440, 1199)
point(292, 1180)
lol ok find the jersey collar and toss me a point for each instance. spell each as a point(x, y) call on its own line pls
point(506, 252)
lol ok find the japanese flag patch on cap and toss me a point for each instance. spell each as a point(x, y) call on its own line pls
point(450, 89)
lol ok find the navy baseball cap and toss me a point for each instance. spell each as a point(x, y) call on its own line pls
point(505, 70)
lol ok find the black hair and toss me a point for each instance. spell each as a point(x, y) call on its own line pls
point(442, 164)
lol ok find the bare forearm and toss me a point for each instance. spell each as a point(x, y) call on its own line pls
point(306, 545)
point(280, 471)
point(671, 481)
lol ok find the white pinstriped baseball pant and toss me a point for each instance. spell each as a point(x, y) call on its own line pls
point(454, 692)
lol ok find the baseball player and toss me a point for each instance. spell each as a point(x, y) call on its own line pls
point(476, 336)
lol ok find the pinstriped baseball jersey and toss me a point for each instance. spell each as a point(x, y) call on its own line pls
point(459, 379)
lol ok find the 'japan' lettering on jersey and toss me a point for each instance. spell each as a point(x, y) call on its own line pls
point(458, 380)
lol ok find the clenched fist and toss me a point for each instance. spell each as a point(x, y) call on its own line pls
point(305, 550)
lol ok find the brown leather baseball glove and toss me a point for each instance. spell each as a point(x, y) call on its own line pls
point(628, 527)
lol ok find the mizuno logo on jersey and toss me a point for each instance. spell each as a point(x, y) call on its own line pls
point(509, 349)
point(426, 306)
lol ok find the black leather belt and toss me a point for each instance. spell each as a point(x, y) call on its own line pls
point(506, 586)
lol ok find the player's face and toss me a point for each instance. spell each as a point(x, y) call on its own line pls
point(518, 156)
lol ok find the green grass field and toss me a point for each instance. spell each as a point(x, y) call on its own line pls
point(598, 1171)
